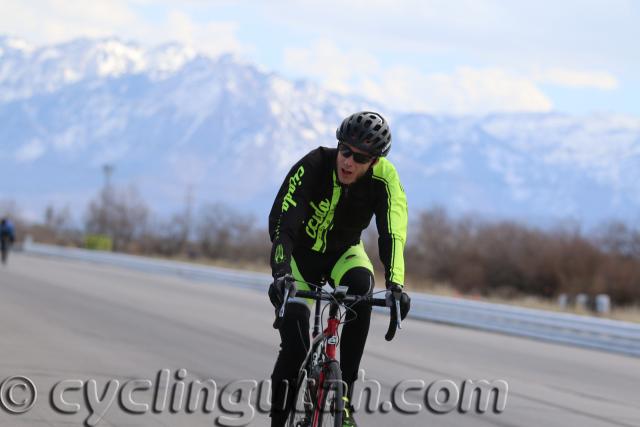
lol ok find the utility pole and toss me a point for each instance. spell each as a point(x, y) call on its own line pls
point(188, 211)
point(107, 169)
point(107, 198)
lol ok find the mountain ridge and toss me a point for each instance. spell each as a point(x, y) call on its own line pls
point(170, 118)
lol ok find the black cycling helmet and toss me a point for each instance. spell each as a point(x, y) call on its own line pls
point(367, 131)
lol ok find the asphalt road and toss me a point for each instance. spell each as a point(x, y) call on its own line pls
point(81, 327)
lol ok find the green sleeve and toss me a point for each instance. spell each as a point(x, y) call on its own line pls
point(391, 220)
point(288, 212)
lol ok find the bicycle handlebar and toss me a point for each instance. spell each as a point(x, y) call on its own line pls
point(395, 321)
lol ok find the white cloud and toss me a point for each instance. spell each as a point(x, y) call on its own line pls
point(59, 20)
point(52, 21)
point(30, 151)
point(464, 90)
point(211, 37)
point(325, 61)
point(577, 78)
point(580, 34)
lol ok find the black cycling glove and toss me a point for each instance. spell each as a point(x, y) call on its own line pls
point(395, 290)
point(276, 289)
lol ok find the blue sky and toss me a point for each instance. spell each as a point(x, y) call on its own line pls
point(453, 57)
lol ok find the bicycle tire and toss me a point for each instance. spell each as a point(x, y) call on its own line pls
point(329, 410)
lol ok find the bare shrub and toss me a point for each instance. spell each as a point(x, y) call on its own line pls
point(118, 213)
point(225, 233)
point(510, 258)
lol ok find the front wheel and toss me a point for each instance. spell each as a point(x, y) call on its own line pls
point(328, 412)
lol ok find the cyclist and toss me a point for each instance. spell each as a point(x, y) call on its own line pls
point(7, 237)
point(327, 199)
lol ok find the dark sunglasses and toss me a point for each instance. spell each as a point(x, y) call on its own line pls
point(357, 157)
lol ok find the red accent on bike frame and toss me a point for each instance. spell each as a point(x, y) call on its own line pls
point(331, 331)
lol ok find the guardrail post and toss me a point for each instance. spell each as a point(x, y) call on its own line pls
point(582, 301)
point(603, 304)
point(563, 301)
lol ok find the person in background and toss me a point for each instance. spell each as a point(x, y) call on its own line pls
point(7, 237)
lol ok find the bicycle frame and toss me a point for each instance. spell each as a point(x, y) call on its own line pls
point(320, 370)
point(325, 343)
point(321, 351)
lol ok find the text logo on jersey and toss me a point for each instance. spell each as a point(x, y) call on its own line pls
point(320, 212)
point(294, 182)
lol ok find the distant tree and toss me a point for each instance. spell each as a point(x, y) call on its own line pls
point(167, 237)
point(57, 219)
point(118, 213)
point(223, 232)
point(619, 238)
point(508, 258)
point(9, 209)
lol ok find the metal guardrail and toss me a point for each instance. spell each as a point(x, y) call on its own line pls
point(602, 334)
point(187, 270)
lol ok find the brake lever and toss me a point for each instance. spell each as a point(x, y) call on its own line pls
point(394, 314)
point(398, 316)
point(278, 321)
point(284, 302)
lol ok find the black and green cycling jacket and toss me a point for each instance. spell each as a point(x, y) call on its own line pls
point(313, 210)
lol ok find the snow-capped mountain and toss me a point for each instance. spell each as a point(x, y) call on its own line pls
point(168, 118)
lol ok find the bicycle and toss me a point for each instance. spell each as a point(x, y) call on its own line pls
point(319, 388)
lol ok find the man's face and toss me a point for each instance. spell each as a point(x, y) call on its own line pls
point(349, 171)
